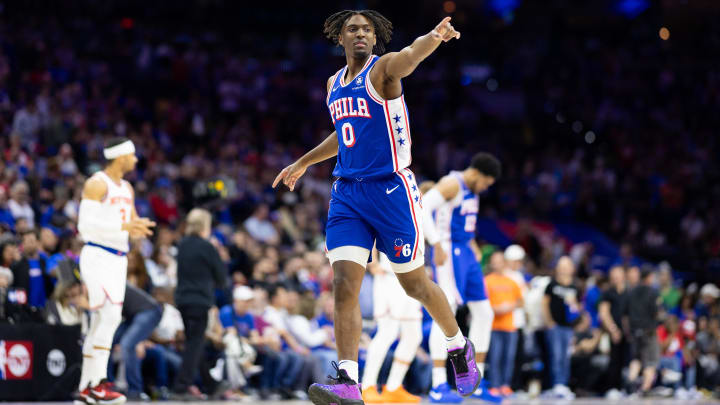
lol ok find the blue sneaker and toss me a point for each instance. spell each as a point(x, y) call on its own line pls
point(442, 394)
point(467, 375)
point(483, 393)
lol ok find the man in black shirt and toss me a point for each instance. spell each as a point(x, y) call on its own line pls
point(642, 313)
point(612, 310)
point(561, 310)
point(141, 314)
point(200, 270)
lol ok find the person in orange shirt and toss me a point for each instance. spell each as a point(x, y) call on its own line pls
point(505, 296)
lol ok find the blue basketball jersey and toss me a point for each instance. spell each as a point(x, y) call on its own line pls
point(455, 220)
point(373, 133)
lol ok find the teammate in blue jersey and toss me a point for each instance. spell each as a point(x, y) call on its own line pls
point(375, 200)
point(451, 209)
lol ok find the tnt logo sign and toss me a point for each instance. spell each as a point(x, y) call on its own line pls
point(16, 359)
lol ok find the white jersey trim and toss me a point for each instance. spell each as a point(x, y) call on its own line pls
point(342, 78)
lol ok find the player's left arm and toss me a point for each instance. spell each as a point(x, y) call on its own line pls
point(396, 65)
point(134, 215)
point(446, 189)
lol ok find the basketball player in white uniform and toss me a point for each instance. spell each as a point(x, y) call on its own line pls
point(106, 220)
point(395, 313)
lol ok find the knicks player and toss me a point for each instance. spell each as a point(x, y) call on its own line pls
point(375, 200)
point(396, 313)
point(106, 220)
point(454, 203)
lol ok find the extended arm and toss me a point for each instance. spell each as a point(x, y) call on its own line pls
point(446, 189)
point(92, 218)
point(325, 150)
point(396, 65)
point(290, 175)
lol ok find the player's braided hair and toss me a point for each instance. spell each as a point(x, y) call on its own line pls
point(383, 27)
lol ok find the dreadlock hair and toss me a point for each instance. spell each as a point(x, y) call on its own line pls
point(383, 27)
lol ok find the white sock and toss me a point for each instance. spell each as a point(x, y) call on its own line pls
point(439, 376)
point(397, 374)
point(455, 342)
point(86, 373)
point(351, 367)
point(481, 368)
point(100, 366)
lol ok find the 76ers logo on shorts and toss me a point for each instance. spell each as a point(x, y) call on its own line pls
point(402, 249)
point(16, 359)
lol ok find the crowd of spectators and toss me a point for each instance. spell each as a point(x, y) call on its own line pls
point(617, 134)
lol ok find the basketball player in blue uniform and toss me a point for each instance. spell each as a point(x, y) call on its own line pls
point(451, 209)
point(375, 198)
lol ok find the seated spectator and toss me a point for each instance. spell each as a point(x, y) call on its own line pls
point(19, 203)
point(6, 280)
point(670, 294)
point(162, 267)
point(291, 354)
point(671, 352)
point(6, 217)
point(240, 338)
point(709, 294)
point(67, 306)
point(260, 227)
point(29, 272)
point(308, 333)
point(214, 361)
point(50, 251)
point(708, 346)
point(137, 274)
point(162, 349)
point(587, 364)
point(141, 314)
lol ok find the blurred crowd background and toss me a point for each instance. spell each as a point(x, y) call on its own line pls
point(602, 113)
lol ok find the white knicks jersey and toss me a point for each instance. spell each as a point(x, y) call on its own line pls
point(117, 206)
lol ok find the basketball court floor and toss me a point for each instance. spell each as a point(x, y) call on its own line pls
point(584, 401)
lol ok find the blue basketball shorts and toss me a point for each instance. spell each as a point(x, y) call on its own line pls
point(461, 276)
point(386, 212)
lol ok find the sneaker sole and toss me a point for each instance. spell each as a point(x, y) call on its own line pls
point(319, 396)
point(116, 401)
point(88, 401)
point(479, 380)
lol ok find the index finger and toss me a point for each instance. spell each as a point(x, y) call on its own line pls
point(279, 177)
point(147, 221)
point(445, 20)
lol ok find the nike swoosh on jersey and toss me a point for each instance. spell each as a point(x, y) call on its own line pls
point(391, 190)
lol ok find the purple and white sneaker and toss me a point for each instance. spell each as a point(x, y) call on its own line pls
point(341, 390)
point(467, 375)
